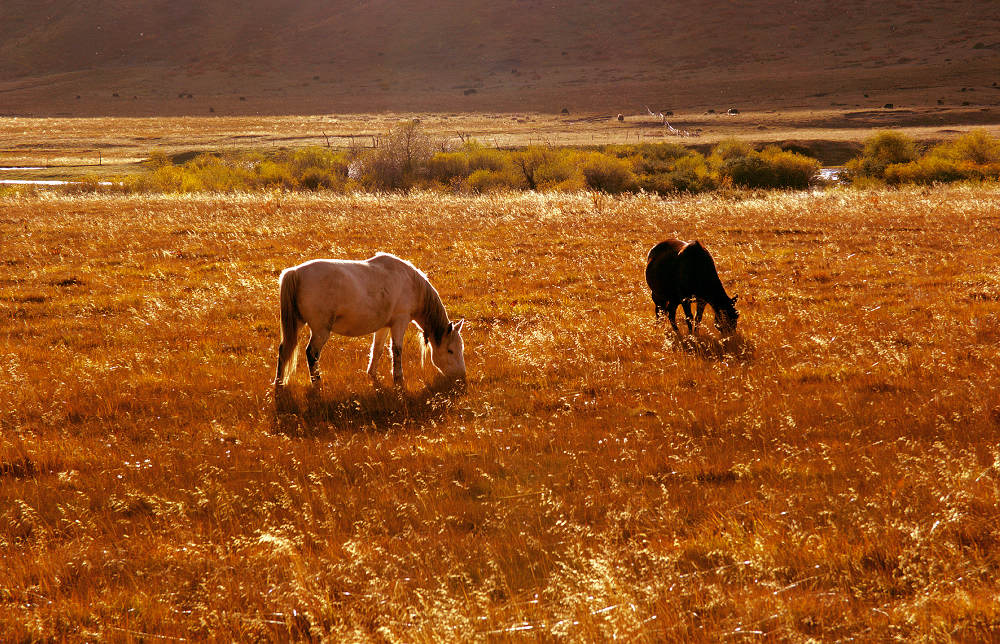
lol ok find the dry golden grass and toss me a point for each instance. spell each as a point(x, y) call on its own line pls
point(832, 473)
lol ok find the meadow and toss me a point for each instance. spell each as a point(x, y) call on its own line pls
point(830, 472)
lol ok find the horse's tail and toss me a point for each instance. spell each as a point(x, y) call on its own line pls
point(290, 322)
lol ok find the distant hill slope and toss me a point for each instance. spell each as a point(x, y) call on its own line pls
point(116, 57)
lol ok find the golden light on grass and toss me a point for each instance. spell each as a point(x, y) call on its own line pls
point(832, 472)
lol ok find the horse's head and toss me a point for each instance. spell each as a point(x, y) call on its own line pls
point(448, 355)
point(726, 316)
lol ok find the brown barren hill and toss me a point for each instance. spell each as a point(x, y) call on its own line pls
point(179, 57)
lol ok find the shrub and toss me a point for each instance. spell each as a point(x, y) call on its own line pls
point(558, 171)
point(770, 168)
point(528, 162)
point(927, 169)
point(978, 147)
point(882, 150)
point(729, 150)
point(607, 173)
point(447, 167)
point(651, 158)
point(158, 159)
point(790, 169)
point(396, 162)
point(482, 158)
point(271, 174)
point(315, 179)
point(890, 147)
point(313, 168)
point(665, 168)
point(484, 180)
point(892, 157)
point(381, 169)
point(692, 174)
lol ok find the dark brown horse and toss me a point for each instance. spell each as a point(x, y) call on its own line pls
point(678, 272)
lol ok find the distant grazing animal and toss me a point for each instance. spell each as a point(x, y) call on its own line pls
point(677, 272)
point(380, 295)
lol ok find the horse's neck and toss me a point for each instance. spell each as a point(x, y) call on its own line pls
point(719, 299)
point(431, 314)
point(713, 291)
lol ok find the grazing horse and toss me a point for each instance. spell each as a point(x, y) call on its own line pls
point(380, 295)
point(678, 271)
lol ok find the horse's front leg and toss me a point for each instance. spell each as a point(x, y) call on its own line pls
point(397, 332)
point(378, 343)
point(699, 310)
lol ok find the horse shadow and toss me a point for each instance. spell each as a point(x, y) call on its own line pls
point(380, 409)
point(729, 348)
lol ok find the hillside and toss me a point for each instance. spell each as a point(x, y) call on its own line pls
point(111, 57)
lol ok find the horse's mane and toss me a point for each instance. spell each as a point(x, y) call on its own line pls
point(435, 316)
point(432, 314)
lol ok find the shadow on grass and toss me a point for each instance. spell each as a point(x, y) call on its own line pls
point(377, 409)
point(725, 349)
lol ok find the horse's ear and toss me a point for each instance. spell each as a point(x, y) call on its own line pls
point(458, 327)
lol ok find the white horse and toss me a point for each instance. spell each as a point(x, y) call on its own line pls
point(380, 295)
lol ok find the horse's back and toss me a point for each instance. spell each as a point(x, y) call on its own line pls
point(665, 249)
point(662, 263)
point(333, 272)
point(353, 297)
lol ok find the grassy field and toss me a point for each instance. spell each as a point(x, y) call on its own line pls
point(831, 472)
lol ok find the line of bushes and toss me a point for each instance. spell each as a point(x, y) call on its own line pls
point(894, 158)
point(407, 158)
point(310, 168)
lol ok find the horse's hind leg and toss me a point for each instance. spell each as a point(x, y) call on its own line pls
point(316, 341)
point(687, 315)
point(658, 305)
point(671, 310)
point(378, 343)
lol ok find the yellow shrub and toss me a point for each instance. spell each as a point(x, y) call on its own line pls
point(607, 173)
